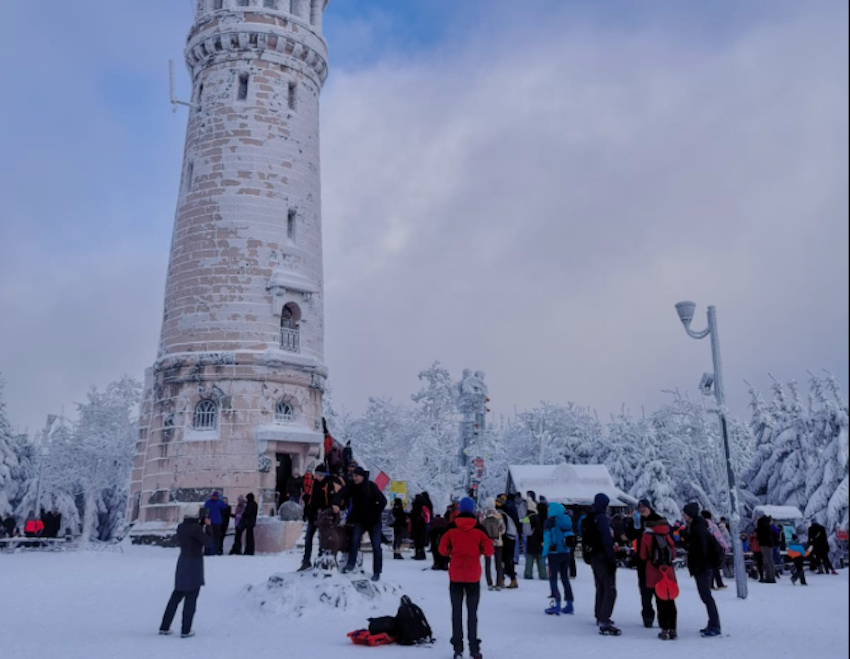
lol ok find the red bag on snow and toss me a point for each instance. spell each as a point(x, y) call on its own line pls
point(363, 637)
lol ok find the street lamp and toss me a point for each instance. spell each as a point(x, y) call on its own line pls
point(686, 312)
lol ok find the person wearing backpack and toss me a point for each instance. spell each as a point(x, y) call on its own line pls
point(508, 512)
point(703, 557)
point(644, 516)
point(465, 543)
point(558, 544)
point(717, 583)
point(598, 544)
point(657, 551)
point(494, 526)
point(533, 538)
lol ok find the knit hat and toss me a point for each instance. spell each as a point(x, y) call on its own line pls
point(321, 469)
point(692, 510)
point(490, 504)
point(467, 506)
point(644, 503)
point(360, 471)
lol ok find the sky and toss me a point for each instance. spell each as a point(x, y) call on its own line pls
point(522, 188)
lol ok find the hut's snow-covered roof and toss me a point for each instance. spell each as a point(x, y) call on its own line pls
point(569, 484)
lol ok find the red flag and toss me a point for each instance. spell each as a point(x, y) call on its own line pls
point(382, 480)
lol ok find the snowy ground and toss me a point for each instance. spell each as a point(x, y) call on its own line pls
point(96, 605)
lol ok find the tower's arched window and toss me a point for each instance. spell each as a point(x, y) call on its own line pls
point(218, 4)
point(270, 4)
point(243, 3)
point(290, 336)
point(242, 92)
point(284, 412)
point(206, 415)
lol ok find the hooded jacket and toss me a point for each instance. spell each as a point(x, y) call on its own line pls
point(599, 513)
point(699, 546)
point(215, 507)
point(658, 527)
point(557, 528)
point(465, 543)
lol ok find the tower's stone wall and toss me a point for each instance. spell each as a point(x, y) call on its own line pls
point(246, 248)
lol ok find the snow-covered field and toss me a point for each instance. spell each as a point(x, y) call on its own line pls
point(98, 605)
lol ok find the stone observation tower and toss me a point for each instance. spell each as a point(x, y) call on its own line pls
point(234, 400)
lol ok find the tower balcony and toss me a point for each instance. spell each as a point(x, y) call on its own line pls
point(290, 340)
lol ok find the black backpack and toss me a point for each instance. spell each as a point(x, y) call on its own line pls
point(591, 540)
point(661, 554)
point(715, 555)
point(411, 626)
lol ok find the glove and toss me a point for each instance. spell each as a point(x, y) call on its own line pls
point(637, 519)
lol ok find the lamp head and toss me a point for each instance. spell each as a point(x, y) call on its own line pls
point(686, 312)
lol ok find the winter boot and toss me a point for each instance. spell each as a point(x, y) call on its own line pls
point(711, 632)
point(458, 655)
point(834, 573)
point(165, 632)
point(554, 609)
point(568, 609)
point(187, 635)
point(305, 566)
point(664, 635)
point(672, 635)
point(398, 557)
point(513, 585)
point(476, 654)
point(608, 629)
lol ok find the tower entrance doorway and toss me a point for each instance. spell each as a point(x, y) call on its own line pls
point(283, 462)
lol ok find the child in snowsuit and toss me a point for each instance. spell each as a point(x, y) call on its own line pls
point(798, 554)
point(558, 543)
point(465, 543)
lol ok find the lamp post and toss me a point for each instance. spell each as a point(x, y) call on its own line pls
point(686, 315)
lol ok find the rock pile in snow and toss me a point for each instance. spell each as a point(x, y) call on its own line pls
point(295, 595)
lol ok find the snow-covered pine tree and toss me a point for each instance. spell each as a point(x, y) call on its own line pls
point(789, 462)
point(763, 423)
point(827, 479)
point(654, 484)
point(9, 466)
point(624, 452)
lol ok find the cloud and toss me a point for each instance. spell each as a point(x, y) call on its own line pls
point(526, 193)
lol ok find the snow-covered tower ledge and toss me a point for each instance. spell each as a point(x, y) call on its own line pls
point(233, 401)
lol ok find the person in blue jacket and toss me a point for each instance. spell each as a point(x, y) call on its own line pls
point(558, 544)
point(215, 508)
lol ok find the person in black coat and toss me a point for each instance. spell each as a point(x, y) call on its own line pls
point(367, 507)
point(189, 576)
point(325, 489)
point(635, 531)
point(249, 521)
point(764, 533)
point(819, 542)
point(604, 563)
point(400, 520)
point(701, 563)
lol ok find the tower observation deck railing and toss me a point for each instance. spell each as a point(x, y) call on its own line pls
point(290, 340)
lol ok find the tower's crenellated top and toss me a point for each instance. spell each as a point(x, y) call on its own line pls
point(290, 29)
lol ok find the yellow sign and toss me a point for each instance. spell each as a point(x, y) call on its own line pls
point(398, 489)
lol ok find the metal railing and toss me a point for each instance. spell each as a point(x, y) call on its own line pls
point(290, 340)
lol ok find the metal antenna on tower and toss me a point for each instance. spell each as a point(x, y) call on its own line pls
point(174, 101)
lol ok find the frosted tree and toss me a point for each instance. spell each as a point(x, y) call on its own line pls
point(9, 486)
point(93, 460)
point(827, 479)
point(789, 462)
point(654, 484)
point(624, 453)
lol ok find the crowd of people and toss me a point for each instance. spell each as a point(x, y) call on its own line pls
point(342, 505)
point(46, 525)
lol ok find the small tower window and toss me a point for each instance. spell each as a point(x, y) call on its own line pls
point(242, 94)
point(293, 96)
point(284, 412)
point(243, 3)
point(270, 4)
point(200, 102)
point(206, 416)
point(218, 4)
point(290, 336)
point(190, 176)
point(291, 224)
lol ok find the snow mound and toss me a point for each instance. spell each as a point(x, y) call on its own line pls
point(295, 595)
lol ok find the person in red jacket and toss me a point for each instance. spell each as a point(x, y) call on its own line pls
point(658, 551)
point(465, 543)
